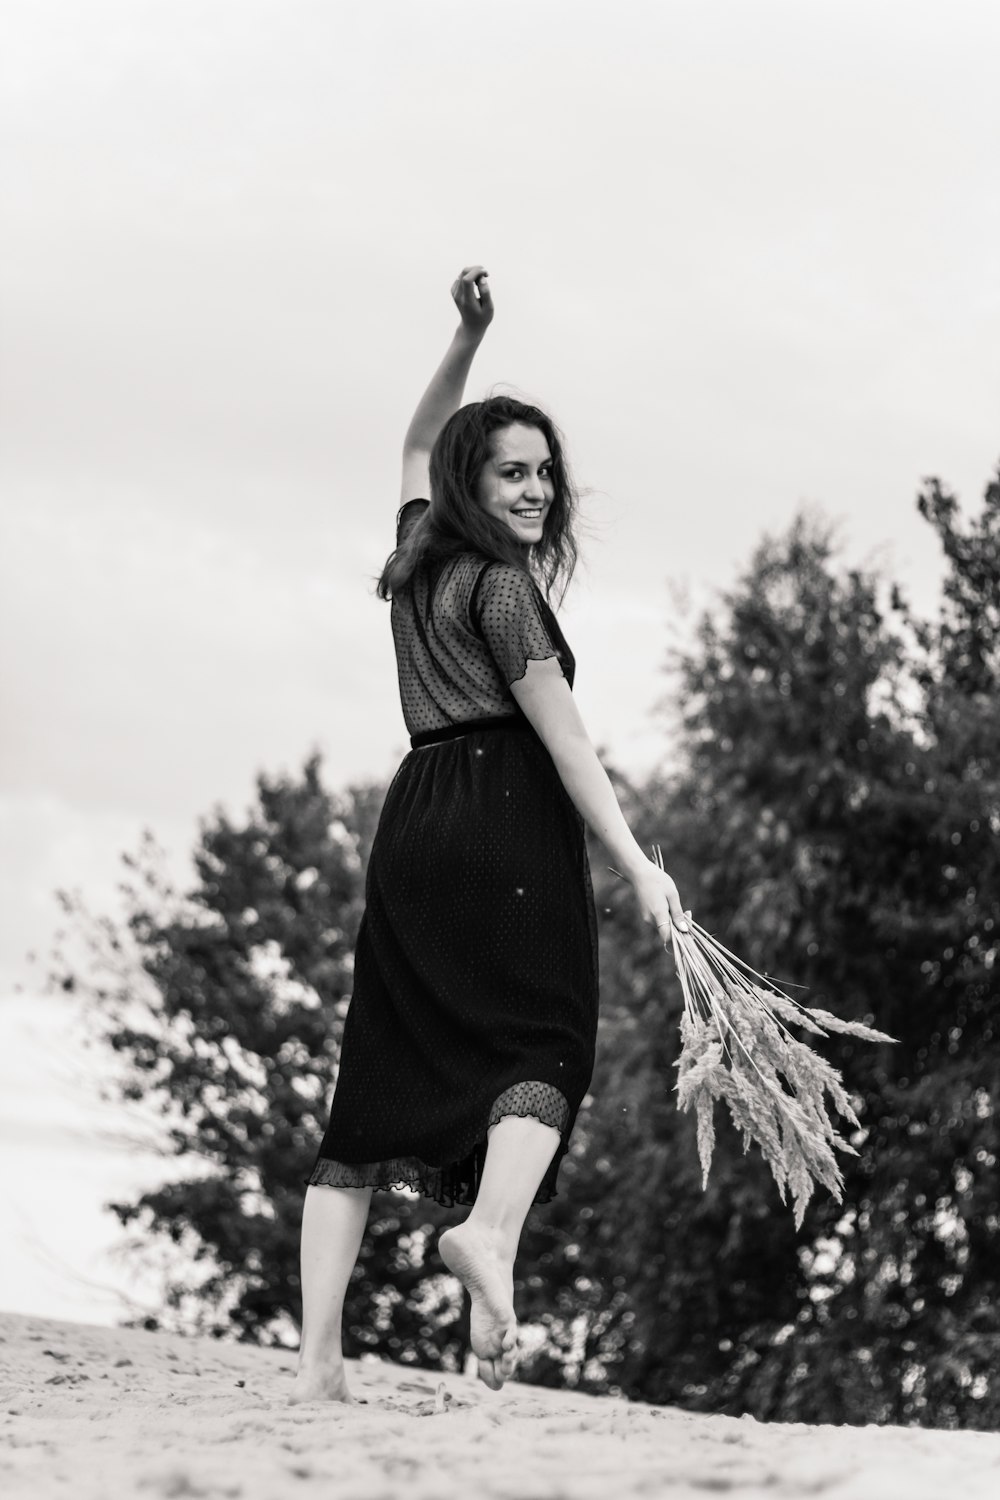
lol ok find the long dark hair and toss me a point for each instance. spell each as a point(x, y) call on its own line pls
point(456, 522)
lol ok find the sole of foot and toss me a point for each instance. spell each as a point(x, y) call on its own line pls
point(471, 1257)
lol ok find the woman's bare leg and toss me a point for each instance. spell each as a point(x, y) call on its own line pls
point(481, 1251)
point(333, 1224)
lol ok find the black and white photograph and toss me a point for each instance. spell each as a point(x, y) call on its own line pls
point(499, 749)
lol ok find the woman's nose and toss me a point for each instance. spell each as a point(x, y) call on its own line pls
point(533, 487)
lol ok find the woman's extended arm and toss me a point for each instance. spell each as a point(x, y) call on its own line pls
point(544, 696)
point(443, 396)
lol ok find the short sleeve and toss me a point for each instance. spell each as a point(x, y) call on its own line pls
point(407, 517)
point(511, 614)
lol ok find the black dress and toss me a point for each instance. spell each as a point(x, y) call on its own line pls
point(475, 972)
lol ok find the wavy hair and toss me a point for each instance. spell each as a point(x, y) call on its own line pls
point(456, 522)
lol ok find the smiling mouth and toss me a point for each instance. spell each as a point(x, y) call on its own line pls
point(529, 515)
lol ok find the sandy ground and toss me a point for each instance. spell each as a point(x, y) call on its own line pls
point(88, 1411)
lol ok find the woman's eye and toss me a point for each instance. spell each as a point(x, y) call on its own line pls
point(545, 473)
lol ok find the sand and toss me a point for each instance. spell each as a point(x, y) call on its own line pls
point(87, 1411)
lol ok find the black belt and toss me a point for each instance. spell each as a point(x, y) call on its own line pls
point(470, 726)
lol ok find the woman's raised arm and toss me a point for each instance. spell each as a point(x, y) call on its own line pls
point(443, 396)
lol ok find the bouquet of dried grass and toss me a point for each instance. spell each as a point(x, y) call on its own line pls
point(736, 1046)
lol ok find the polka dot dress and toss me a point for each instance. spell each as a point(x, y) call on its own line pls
point(475, 973)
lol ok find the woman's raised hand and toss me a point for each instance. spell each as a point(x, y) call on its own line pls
point(659, 900)
point(471, 292)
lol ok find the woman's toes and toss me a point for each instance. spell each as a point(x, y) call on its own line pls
point(500, 1367)
point(510, 1353)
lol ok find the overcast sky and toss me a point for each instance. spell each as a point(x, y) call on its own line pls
point(746, 253)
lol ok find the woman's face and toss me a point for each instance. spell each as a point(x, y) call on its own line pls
point(516, 484)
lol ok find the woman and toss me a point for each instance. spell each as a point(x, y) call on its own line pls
point(469, 1042)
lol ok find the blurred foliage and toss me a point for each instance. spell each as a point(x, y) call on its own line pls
point(834, 820)
point(226, 1006)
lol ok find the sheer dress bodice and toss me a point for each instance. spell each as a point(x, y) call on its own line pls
point(464, 634)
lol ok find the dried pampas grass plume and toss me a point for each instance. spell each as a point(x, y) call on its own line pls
point(736, 1046)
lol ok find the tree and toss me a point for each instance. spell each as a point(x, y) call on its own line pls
point(781, 732)
point(225, 1006)
point(835, 820)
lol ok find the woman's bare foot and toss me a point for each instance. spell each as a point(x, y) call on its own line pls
point(472, 1256)
point(320, 1385)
